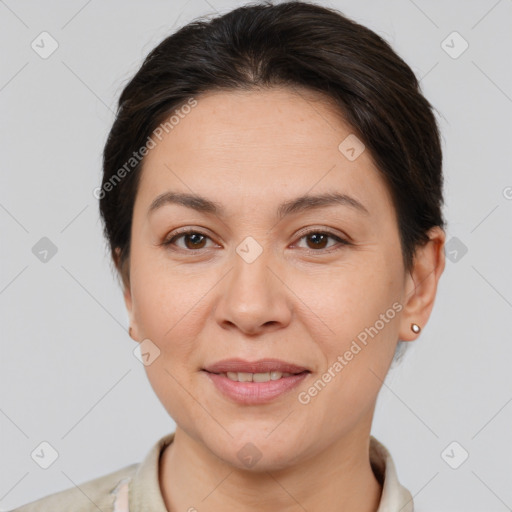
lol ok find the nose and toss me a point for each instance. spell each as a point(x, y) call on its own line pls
point(253, 297)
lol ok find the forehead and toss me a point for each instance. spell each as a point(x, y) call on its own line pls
point(263, 144)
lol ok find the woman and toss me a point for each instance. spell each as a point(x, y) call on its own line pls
point(272, 198)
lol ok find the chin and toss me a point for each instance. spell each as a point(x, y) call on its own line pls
point(259, 450)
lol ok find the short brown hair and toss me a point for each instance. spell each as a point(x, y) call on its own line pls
point(292, 44)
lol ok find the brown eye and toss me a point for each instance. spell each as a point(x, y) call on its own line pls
point(196, 240)
point(193, 240)
point(318, 240)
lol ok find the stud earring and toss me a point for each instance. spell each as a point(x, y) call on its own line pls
point(415, 328)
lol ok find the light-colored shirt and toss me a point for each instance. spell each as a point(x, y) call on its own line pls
point(136, 488)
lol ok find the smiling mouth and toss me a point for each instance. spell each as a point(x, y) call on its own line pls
point(259, 368)
point(248, 388)
point(256, 377)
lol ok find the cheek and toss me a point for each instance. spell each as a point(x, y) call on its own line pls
point(357, 356)
point(169, 309)
point(346, 300)
point(162, 297)
point(359, 312)
point(164, 308)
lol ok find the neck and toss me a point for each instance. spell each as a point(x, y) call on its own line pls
point(339, 479)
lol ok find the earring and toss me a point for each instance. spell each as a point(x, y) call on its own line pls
point(130, 332)
point(415, 328)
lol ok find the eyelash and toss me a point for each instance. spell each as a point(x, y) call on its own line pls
point(170, 241)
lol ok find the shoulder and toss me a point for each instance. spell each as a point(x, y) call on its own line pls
point(135, 486)
point(91, 496)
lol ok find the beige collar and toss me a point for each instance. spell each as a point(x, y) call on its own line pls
point(145, 494)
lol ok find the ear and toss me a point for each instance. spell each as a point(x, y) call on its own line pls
point(123, 270)
point(421, 283)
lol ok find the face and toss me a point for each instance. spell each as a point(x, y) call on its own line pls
point(313, 284)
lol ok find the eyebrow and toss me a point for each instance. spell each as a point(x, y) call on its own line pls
point(293, 206)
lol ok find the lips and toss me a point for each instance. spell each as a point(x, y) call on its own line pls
point(257, 382)
point(261, 366)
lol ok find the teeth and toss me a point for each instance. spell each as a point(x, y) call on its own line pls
point(255, 377)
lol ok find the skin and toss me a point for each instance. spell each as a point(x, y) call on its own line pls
point(302, 300)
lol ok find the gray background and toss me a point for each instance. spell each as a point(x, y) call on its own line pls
point(68, 373)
